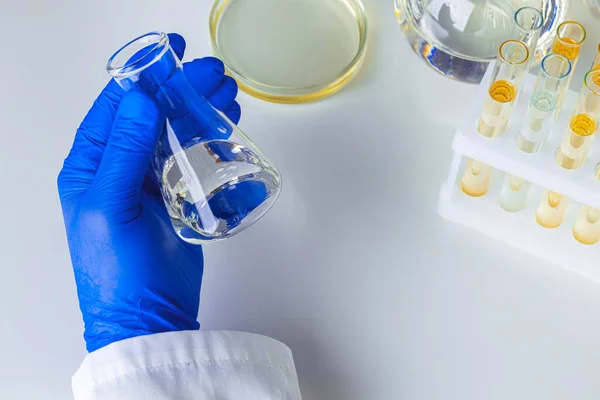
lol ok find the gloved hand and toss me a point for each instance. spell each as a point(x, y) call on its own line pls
point(134, 275)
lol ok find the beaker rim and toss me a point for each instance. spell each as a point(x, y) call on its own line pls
point(131, 67)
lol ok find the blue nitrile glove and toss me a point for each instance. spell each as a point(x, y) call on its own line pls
point(134, 275)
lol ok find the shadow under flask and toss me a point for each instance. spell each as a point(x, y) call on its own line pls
point(215, 182)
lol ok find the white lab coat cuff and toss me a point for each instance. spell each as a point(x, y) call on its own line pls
point(189, 364)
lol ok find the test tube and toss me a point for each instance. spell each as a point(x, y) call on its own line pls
point(549, 87)
point(476, 178)
point(505, 82)
point(570, 35)
point(551, 210)
point(596, 63)
point(527, 27)
point(587, 228)
point(579, 136)
point(513, 196)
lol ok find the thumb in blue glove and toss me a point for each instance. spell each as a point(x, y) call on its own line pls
point(134, 275)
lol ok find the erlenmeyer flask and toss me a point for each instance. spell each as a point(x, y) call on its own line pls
point(214, 180)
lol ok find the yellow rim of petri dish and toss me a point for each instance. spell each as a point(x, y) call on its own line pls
point(315, 92)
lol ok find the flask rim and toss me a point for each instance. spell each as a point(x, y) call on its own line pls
point(119, 67)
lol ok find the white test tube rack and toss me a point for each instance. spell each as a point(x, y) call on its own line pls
point(520, 229)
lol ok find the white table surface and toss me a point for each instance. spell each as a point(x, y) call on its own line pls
point(378, 297)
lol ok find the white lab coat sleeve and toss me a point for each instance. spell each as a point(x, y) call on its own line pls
point(185, 365)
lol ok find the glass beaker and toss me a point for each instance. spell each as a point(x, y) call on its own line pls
point(578, 139)
point(458, 38)
point(549, 87)
point(551, 210)
point(504, 85)
point(214, 180)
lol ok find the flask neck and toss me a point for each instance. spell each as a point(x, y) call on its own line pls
point(149, 64)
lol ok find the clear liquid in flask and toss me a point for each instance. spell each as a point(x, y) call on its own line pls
point(236, 187)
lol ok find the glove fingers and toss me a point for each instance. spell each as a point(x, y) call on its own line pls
point(234, 112)
point(205, 74)
point(81, 164)
point(178, 44)
point(86, 153)
point(225, 94)
point(128, 152)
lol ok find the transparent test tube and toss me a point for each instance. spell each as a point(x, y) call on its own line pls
point(551, 210)
point(570, 35)
point(550, 85)
point(596, 62)
point(527, 28)
point(476, 178)
point(578, 139)
point(587, 228)
point(513, 196)
point(505, 82)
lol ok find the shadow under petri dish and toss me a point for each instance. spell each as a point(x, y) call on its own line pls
point(287, 47)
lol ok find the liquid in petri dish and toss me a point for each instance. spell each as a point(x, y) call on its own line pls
point(226, 204)
point(288, 43)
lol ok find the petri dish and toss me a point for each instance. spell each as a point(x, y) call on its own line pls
point(289, 51)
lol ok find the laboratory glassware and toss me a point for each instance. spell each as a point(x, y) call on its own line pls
point(596, 62)
point(458, 38)
point(504, 85)
point(214, 180)
point(513, 195)
point(578, 139)
point(587, 227)
point(290, 51)
point(541, 113)
point(550, 213)
point(476, 178)
point(527, 27)
point(570, 36)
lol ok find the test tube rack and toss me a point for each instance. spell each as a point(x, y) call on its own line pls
point(520, 230)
